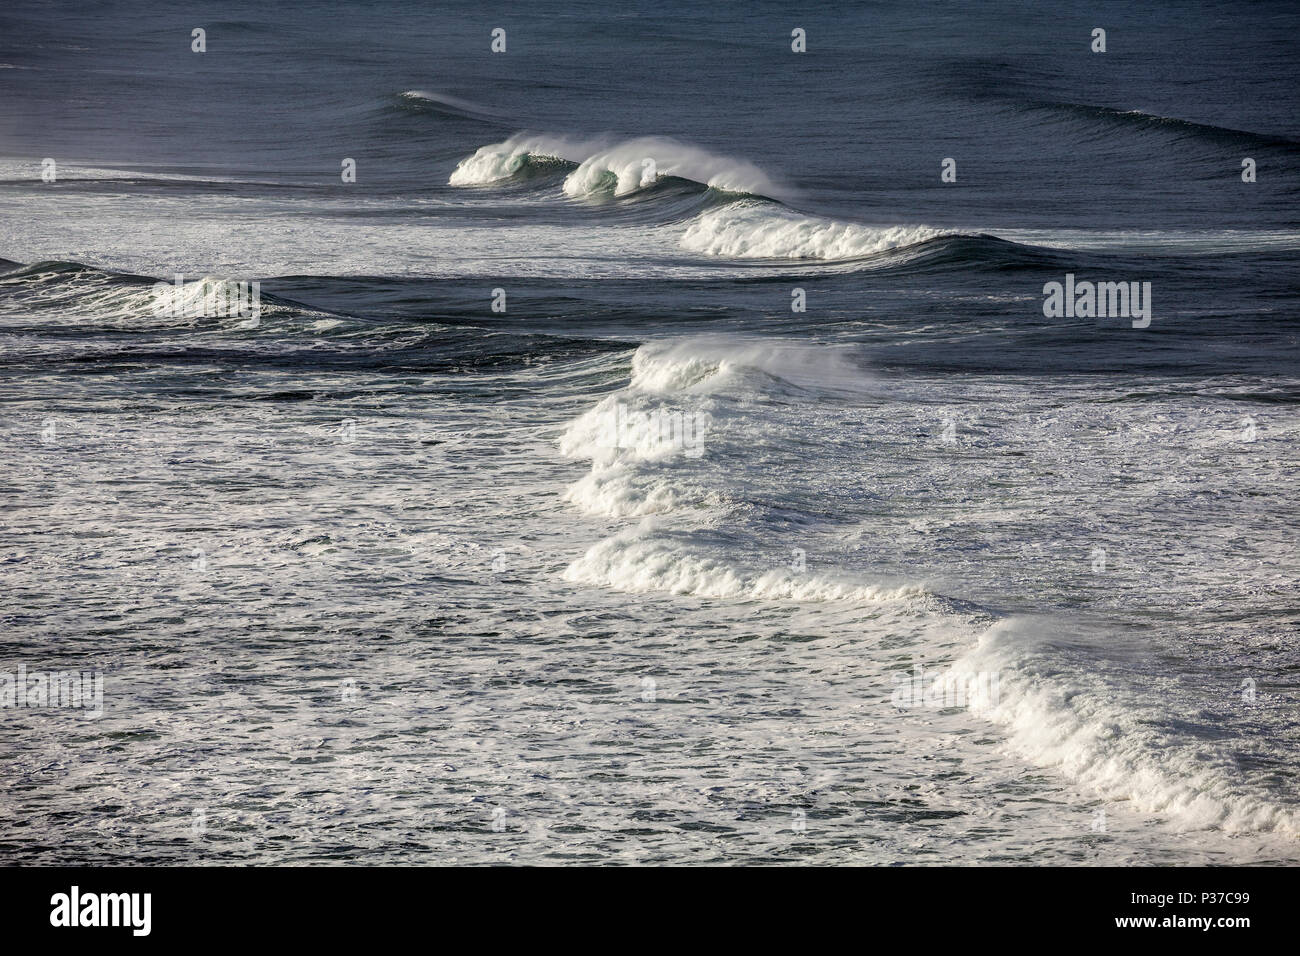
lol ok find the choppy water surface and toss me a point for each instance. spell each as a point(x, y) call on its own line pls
point(647, 566)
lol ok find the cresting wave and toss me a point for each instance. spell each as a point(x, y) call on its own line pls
point(636, 561)
point(1073, 722)
point(755, 225)
point(630, 449)
point(617, 168)
point(626, 167)
point(499, 162)
point(646, 475)
point(72, 293)
point(685, 378)
point(754, 231)
point(1056, 711)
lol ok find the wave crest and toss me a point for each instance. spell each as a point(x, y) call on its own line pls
point(498, 162)
point(1076, 726)
point(754, 231)
point(633, 562)
point(626, 167)
point(612, 167)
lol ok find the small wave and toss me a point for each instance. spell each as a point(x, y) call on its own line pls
point(623, 492)
point(74, 291)
point(71, 293)
point(708, 364)
point(635, 562)
point(765, 231)
point(13, 170)
point(1142, 119)
point(449, 105)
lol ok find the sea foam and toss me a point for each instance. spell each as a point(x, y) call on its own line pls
point(765, 231)
point(1073, 722)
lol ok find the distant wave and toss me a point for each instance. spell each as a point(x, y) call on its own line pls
point(754, 222)
point(21, 171)
point(74, 293)
point(449, 105)
point(615, 168)
point(636, 561)
point(1155, 121)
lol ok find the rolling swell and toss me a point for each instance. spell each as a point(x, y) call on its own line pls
point(1105, 116)
point(101, 320)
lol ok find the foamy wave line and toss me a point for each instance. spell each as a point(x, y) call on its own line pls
point(655, 372)
point(632, 562)
point(671, 409)
point(90, 295)
point(1111, 750)
point(623, 492)
point(764, 231)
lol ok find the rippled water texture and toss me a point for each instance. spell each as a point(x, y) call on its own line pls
point(648, 458)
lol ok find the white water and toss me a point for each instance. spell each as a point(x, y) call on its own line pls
point(753, 231)
point(1060, 706)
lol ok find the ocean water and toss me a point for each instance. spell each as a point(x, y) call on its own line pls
point(649, 457)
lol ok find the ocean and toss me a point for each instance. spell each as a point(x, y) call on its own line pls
point(650, 433)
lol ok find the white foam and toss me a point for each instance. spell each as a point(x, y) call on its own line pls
point(639, 163)
point(626, 426)
point(98, 297)
point(626, 415)
point(620, 491)
point(446, 101)
point(672, 369)
point(613, 167)
point(635, 561)
point(754, 231)
point(709, 364)
point(1075, 724)
point(500, 161)
point(673, 408)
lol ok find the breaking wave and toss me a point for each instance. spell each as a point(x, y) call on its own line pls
point(764, 231)
point(615, 168)
point(753, 223)
point(1071, 720)
point(636, 561)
